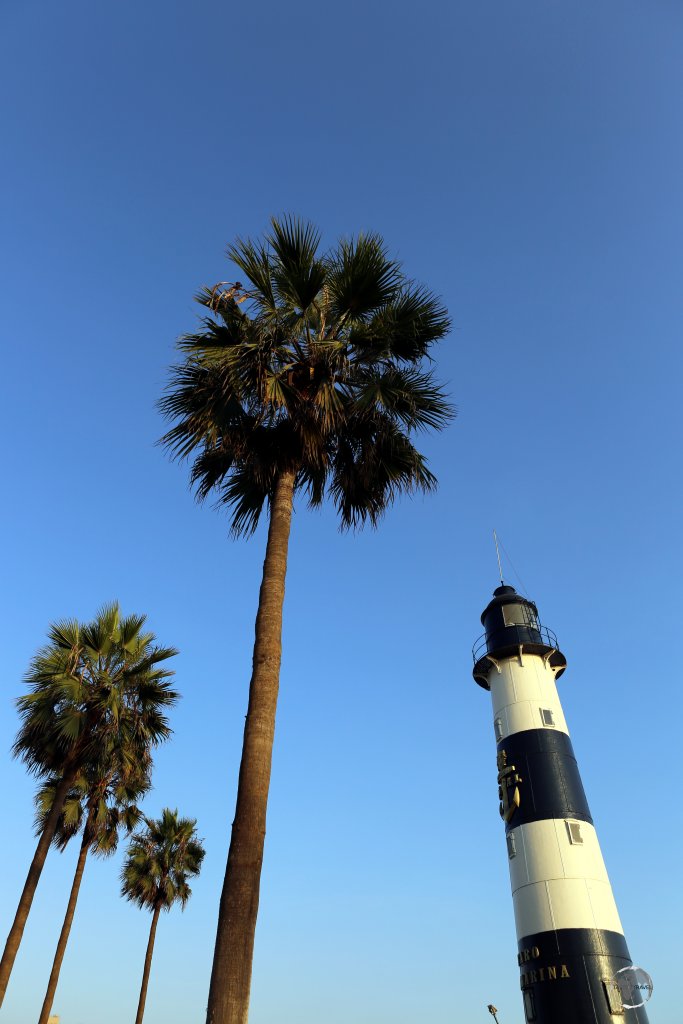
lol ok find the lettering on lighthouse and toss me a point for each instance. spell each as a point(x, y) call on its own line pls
point(532, 975)
point(508, 787)
point(548, 973)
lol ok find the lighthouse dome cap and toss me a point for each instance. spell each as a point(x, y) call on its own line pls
point(505, 594)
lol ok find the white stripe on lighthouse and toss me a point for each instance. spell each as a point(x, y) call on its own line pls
point(521, 692)
point(557, 883)
point(565, 903)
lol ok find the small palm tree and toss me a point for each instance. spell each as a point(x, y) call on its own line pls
point(158, 864)
point(94, 688)
point(102, 802)
point(311, 381)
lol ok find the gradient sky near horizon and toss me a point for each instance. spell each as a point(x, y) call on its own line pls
point(525, 161)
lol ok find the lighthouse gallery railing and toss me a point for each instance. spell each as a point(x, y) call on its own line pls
point(482, 647)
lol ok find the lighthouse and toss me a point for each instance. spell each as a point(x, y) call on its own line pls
point(571, 945)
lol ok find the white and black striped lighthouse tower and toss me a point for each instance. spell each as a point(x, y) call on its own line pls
point(571, 942)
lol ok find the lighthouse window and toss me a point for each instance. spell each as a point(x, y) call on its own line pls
point(519, 615)
point(547, 717)
point(529, 1008)
point(512, 846)
point(498, 729)
point(574, 832)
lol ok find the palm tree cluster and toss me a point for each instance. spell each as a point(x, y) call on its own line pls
point(307, 382)
point(95, 710)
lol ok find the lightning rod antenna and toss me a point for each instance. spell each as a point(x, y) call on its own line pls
point(500, 569)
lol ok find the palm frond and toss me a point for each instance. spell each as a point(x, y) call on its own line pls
point(361, 279)
point(375, 462)
point(244, 494)
point(254, 260)
point(404, 329)
point(298, 275)
point(406, 394)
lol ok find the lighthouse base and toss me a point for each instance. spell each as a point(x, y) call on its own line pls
point(569, 976)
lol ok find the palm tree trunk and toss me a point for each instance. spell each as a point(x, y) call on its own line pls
point(148, 964)
point(68, 918)
point(34, 872)
point(231, 973)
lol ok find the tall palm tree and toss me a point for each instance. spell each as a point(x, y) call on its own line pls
point(102, 802)
point(155, 873)
point(94, 688)
point(309, 380)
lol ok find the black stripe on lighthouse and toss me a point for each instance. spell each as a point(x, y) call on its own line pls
point(550, 784)
point(568, 976)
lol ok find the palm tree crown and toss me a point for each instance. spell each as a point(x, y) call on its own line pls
point(94, 687)
point(160, 860)
point(315, 367)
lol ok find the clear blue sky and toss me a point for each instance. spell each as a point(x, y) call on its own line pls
point(525, 161)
